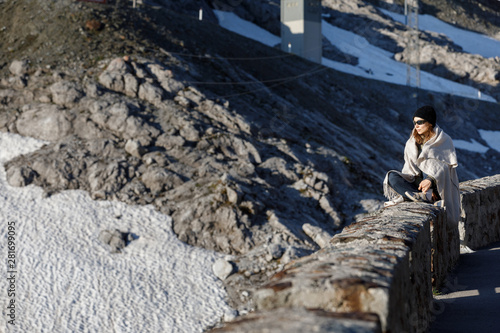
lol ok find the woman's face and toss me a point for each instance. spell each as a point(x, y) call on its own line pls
point(424, 128)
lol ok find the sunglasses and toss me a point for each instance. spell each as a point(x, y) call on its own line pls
point(419, 122)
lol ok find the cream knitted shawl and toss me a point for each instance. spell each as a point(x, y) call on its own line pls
point(437, 159)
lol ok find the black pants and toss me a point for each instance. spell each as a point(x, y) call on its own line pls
point(401, 185)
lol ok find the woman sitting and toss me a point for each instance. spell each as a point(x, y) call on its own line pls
point(429, 172)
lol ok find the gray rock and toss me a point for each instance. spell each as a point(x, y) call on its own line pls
point(106, 179)
point(118, 65)
point(158, 179)
point(116, 239)
point(131, 85)
point(164, 77)
point(92, 90)
point(45, 122)
point(327, 206)
point(222, 269)
point(232, 195)
point(134, 148)
point(189, 132)
point(318, 235)
point(19, 177)
point(112, 80)
point(170, 141)
point(150, 93)
point(19, 67)
point(276, 251)
point(65, 93)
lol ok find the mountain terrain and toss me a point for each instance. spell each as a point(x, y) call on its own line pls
point(255, 153)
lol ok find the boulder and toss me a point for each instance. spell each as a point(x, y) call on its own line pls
point(115, 239)
point(66, 93)
point(22, 176)
point(112, 80)
point(150, 93)
point(45, 122)
point(158, 179)
point(118, 65)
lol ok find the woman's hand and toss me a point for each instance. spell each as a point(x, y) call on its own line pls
point(425, 185)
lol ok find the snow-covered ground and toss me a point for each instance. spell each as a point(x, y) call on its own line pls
point(68, 281)
point(374, 63)
point(471, 42)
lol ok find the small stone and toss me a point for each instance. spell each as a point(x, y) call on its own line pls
point(232, 195)
point(45, 99)
point(222, 269)
point(19, 67)
point(275, 251)
point(230, 315)
point(134, 148)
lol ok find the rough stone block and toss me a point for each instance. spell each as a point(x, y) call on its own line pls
point(300, 320)
point(480, 217)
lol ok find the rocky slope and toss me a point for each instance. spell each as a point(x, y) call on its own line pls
point(254, 153)
point(438, 55)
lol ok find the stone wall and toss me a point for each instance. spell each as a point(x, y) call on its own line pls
point(300, 320)
point(480, 222)
point(445, 248)
point(377, 275)
point(381, 265)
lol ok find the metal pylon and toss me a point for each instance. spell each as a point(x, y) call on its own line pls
point(413, 50)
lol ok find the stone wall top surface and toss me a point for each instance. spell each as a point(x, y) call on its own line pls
point(300, 320)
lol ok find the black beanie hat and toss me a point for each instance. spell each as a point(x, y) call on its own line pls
point(428, 113)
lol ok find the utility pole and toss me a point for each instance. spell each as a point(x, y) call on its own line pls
point(413, 50)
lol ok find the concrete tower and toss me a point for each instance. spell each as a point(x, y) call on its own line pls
point(413, 49)
point(301, 28)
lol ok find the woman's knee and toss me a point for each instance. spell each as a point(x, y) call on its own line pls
point(393, 177)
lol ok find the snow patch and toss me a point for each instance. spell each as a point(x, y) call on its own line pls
point(470, 146)
point(471, 42)
point(68, 281)
point(492, 138)
point(376, 63)
point(232, 22)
